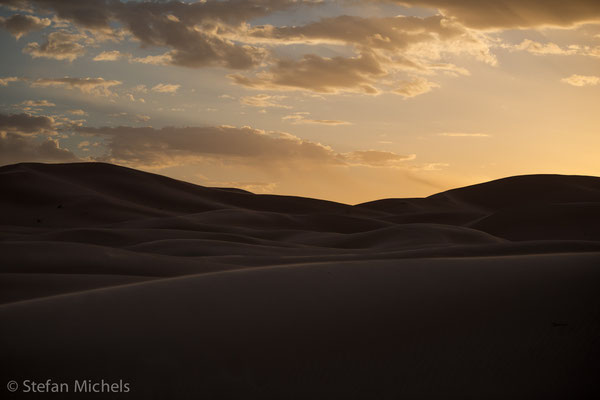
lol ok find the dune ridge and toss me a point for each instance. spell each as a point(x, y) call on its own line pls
point(487, 291)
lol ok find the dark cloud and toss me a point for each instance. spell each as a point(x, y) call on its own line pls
point(97, 14)
point(157, 147)
point(319, 74)
point(150, 147)
point(192, 30)
point(25, 124)
point(386, 46)
point(19, 25)
point(514, 13)
point(192, 46)
point(24, 137)
point(218, 33)
point(15, 148)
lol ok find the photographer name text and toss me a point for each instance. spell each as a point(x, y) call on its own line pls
point(75, 386)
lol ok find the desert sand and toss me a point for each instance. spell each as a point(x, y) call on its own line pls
point(186, 292)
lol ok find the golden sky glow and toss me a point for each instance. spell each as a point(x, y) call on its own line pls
point(344, 100)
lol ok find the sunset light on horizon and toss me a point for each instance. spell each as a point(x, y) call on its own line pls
point(348, 101)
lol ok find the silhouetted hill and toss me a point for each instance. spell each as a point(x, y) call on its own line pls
point(524, 207)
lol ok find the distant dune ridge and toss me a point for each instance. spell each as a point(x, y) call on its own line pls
point(487, 292)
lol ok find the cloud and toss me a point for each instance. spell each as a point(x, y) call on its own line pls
point(301, 118)
point(319, 74)
point(77, 112)
point(582, 80)
point(142, 118)
point(26, 124)
point(403, 42)
point(97, 86)
point(376, 158)
point(155, 148)
point(15, 148)
point(263, 100)
point(193, 31)
point(98, 14)
point(385, 47)
point(38, 103)
point(141, 89)
point(389, 33)
point(415, 87)
point(502, 14)
point(550, 48)
point(169, 145)
point(219, 33)
point(109, 56)
point(196, 49)
point(166, 88)
point(19, 25)
point(7, 80)
point(161, 59)
point(540, 48)
point(406, 42)
point(60, 45)
point(429, 167)
point(461, 134)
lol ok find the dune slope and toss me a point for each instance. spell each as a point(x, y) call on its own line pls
point(488, 291)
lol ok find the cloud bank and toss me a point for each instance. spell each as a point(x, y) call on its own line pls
point(158, 148)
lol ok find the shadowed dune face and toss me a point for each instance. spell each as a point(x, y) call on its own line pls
point(527, 207)
point(460, 295)
point(119, 214)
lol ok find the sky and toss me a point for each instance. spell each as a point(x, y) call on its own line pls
point(347, 100)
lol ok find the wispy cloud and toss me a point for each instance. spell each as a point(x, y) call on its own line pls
point(302, 118)
point(415, 87)
point(112, 55)
point(142, 118)
point(582, 80)
point(98, 86)
point(264, 101)
point(37, 103)
point(514, 13)
point(463, 134)
point(60, 45)
point(7, 80)
point(550, 48)
point(166, 88)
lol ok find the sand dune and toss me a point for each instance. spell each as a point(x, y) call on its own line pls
point(488, 291)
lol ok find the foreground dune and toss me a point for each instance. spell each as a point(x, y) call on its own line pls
point(182, 291)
